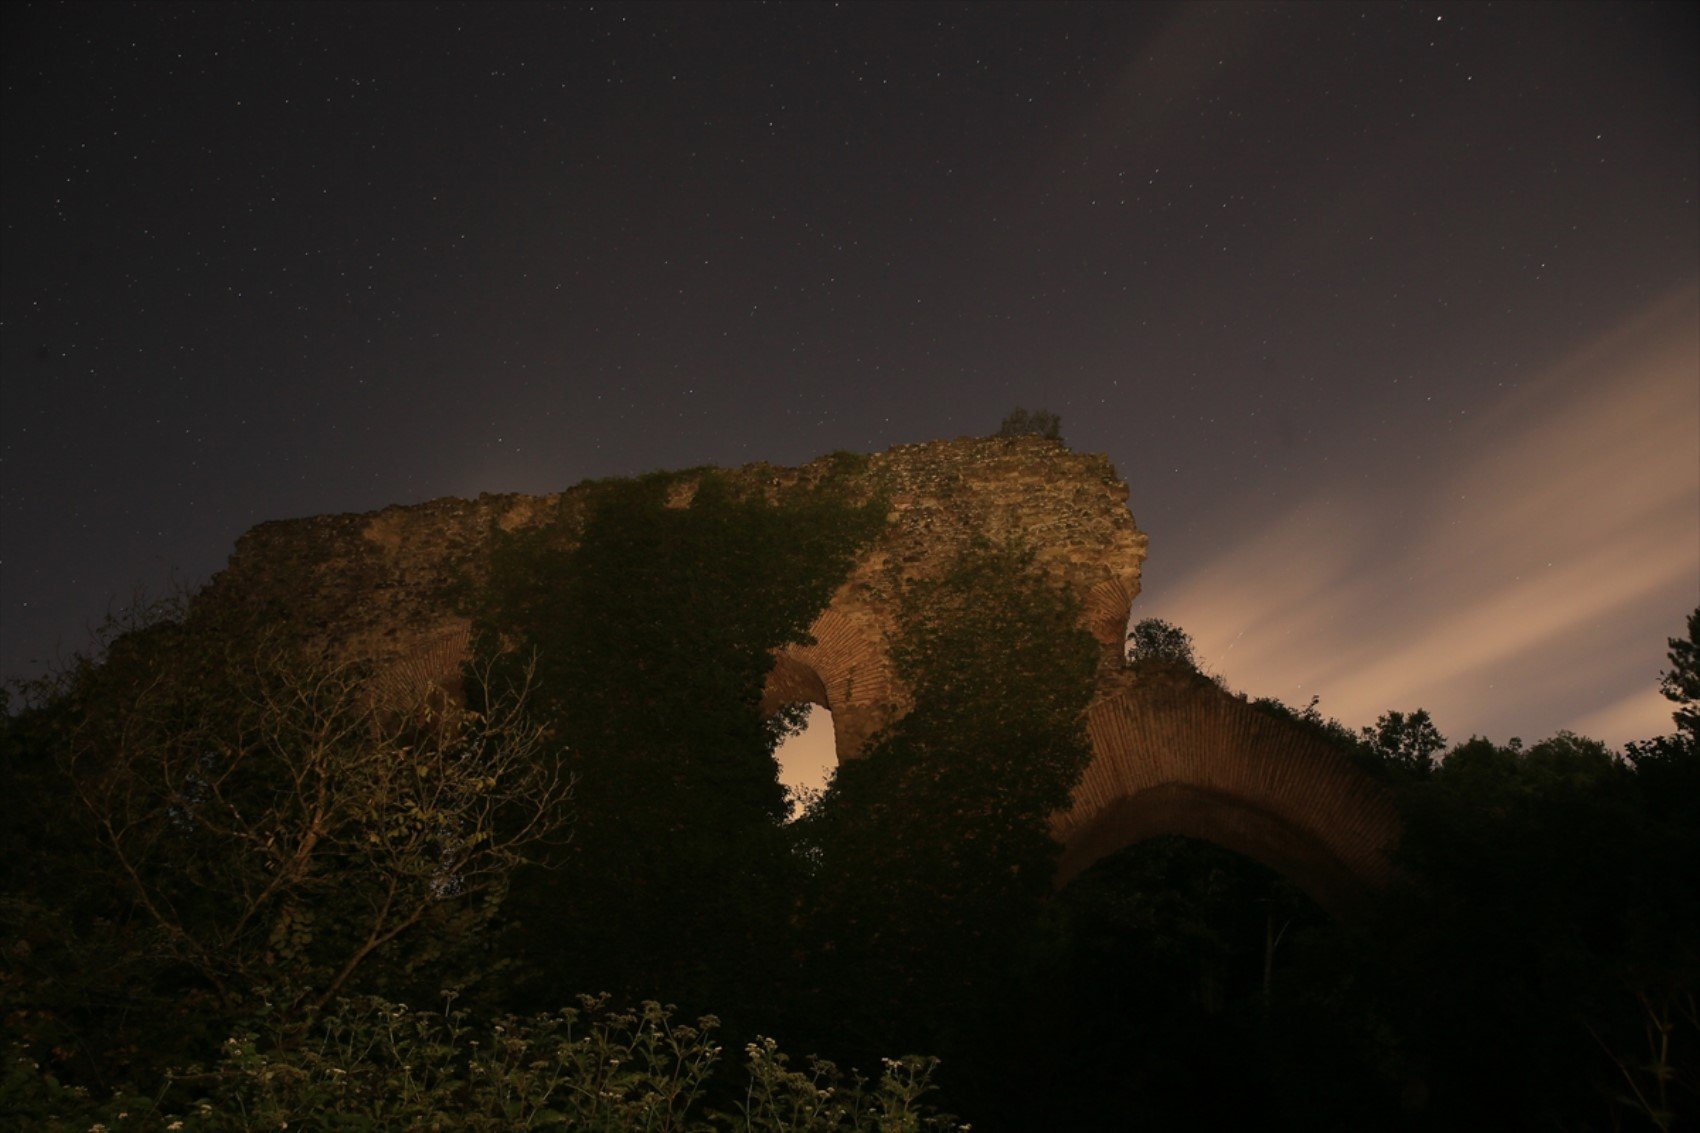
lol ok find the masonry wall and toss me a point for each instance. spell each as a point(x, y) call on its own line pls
point(388, 586)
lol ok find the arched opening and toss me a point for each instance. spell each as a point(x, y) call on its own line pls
point(807, 757)
point(1187, 920)
point(1186, 965)
point(1181, 756)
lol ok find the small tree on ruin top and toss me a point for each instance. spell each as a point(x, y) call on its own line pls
point(1154, 639)
point(1039, 423)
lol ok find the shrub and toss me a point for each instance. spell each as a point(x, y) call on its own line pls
point(1039, 423)
point(373, 1064)
point(1154, 639)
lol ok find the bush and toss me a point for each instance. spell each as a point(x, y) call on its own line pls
point(1154, 639)
point(373, 1064)
point(1039, 423)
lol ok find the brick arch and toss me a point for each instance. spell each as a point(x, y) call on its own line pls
point(1108, 605)
point(1175, 756)
point(845, 670)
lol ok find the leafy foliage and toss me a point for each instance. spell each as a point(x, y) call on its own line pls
point(1155, 641)
point(653, 618)
point(1680, 684)
point(1550, 896)
point(1406, 742)
point(372, 1064)
point(1669, 766)
point(249, 817)
point(278, 829)
point(932, 851)
point(1039, 423)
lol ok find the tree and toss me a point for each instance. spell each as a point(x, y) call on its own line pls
point(276, 826)
point(1669, 766)
point(1039, 423)
point(1680, 684)
point(1547, 922)
point(1154, 639)
point(1406, 742)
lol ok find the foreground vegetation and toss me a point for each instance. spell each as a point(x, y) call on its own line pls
point(371, 1064)
point(238, 885)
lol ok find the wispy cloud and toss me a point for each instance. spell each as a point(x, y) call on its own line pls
point(1565, 540)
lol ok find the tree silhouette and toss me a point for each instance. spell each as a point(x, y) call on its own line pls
point(1154, 639)
point(1039, 423)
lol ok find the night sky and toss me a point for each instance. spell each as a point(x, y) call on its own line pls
point(1389, 315)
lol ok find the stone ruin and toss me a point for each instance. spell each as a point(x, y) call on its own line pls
point(1170, 755)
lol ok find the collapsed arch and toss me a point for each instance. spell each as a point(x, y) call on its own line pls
point(1175, 755)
